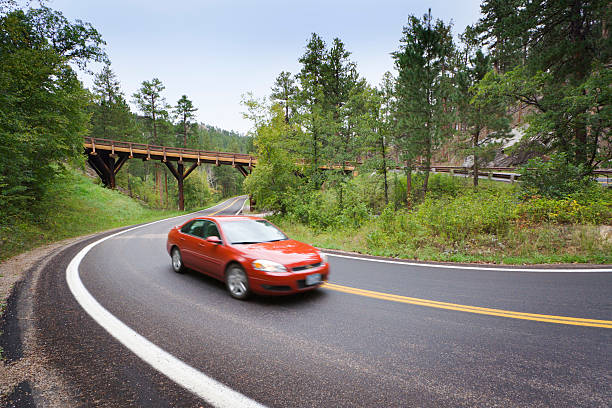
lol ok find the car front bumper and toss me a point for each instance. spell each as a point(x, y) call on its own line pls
point(285, 283)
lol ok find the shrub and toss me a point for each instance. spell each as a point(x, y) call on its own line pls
point(565, 211)
point(556, 178)
point(458, 218)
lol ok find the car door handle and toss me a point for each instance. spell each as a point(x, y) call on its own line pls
point(182, 238)
point(201, 244)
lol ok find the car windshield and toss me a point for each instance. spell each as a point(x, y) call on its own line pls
point(251, 231)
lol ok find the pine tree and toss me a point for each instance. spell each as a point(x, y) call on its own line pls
point(284, 92)
point(423, 91)
point(184, 111)
point(564, 75)
point(484, 120)
point(111, 116)
point(152, 104)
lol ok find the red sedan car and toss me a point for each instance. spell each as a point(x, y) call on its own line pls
point(249, 254)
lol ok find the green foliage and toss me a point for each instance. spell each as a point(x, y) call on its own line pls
point(42, 103)
point(61, 210)
point(424, 89)
point(153, 106)
point(184, 112)
point(554, 58)
point(274, 180)
point(322, 210)
point(111, 116)
point(555, 178)
point(197, 192)
point(565, 211)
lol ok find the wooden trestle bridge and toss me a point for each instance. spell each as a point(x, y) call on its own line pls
point(107, 157)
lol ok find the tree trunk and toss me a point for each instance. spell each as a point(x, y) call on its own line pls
point(475, 146)
point(181, 171)
point(384, 169)
point(166, 188)
point(408, 185)
point(427, 165)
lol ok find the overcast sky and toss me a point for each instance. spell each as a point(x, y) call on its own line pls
point(216, 51)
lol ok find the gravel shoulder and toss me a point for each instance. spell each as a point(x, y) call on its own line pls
point(26, 376)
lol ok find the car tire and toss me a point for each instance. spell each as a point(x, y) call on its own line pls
point(177, 261)
point(237, 282)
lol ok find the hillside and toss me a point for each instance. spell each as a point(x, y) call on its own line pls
point(73, 205)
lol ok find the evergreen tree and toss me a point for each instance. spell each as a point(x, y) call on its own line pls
point(152, 105)
point(423, 91)
point(184, 111)
point(565, 76)
point(484, 120)
point(111, 116)
point(311, 100)
point(284, 92)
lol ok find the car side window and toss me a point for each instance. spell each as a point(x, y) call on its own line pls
point(185, 229)
point(197, 228)
point(212, 230)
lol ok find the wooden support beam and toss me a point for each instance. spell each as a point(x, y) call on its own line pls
point(172, 169)
point(242, 170)
point(188, 172)
point(179, 175)
point(93, 165)
point(120, 162)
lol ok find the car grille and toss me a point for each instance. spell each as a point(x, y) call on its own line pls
point(306, 267)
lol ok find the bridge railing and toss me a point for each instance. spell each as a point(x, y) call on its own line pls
point(97, 142)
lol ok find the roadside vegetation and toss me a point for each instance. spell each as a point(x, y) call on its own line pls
point(537, 69)
point(73, 205)
point(494, 223)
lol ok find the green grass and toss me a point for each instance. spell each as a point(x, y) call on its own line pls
point(73, 206)
point(579, 244)
point(455, 223)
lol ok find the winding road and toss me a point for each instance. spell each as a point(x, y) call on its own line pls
point(380, 334)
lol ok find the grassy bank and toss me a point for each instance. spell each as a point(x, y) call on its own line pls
point(72, 206)
point(458, 223)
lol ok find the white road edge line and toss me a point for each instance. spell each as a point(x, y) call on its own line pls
point(205, 387)
point(479, 268)
point(242, 208)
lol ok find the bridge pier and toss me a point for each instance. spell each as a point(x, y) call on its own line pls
point(105, 165)
point(180, 175)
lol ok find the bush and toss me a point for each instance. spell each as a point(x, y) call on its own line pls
point(565, 211)
point(456, 219)
point(556, 178)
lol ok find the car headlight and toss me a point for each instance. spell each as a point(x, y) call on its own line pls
point(268, 266)
point(323, 257)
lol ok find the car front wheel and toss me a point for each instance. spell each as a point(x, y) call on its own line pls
point(177, 261)
point(237, 282)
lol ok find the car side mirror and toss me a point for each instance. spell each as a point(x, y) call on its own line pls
point(213, 240)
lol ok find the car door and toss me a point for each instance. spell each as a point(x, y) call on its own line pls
point(189, 244)
point(209, 254)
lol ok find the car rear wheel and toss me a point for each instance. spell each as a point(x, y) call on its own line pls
point(177, 261)
point(237, 282)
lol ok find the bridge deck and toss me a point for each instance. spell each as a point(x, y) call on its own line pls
point(165, 153)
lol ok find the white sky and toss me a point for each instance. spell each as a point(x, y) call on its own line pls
point(216, 51)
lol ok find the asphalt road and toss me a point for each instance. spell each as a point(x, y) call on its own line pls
point(328, 348)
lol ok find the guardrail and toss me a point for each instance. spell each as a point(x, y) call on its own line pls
point(509, 173)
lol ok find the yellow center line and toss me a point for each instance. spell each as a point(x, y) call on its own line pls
point(576, 321)
point(227, 206)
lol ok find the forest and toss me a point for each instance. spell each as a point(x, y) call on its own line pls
point(335, 151)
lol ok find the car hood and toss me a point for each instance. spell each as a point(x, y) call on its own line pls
point(288, 252)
